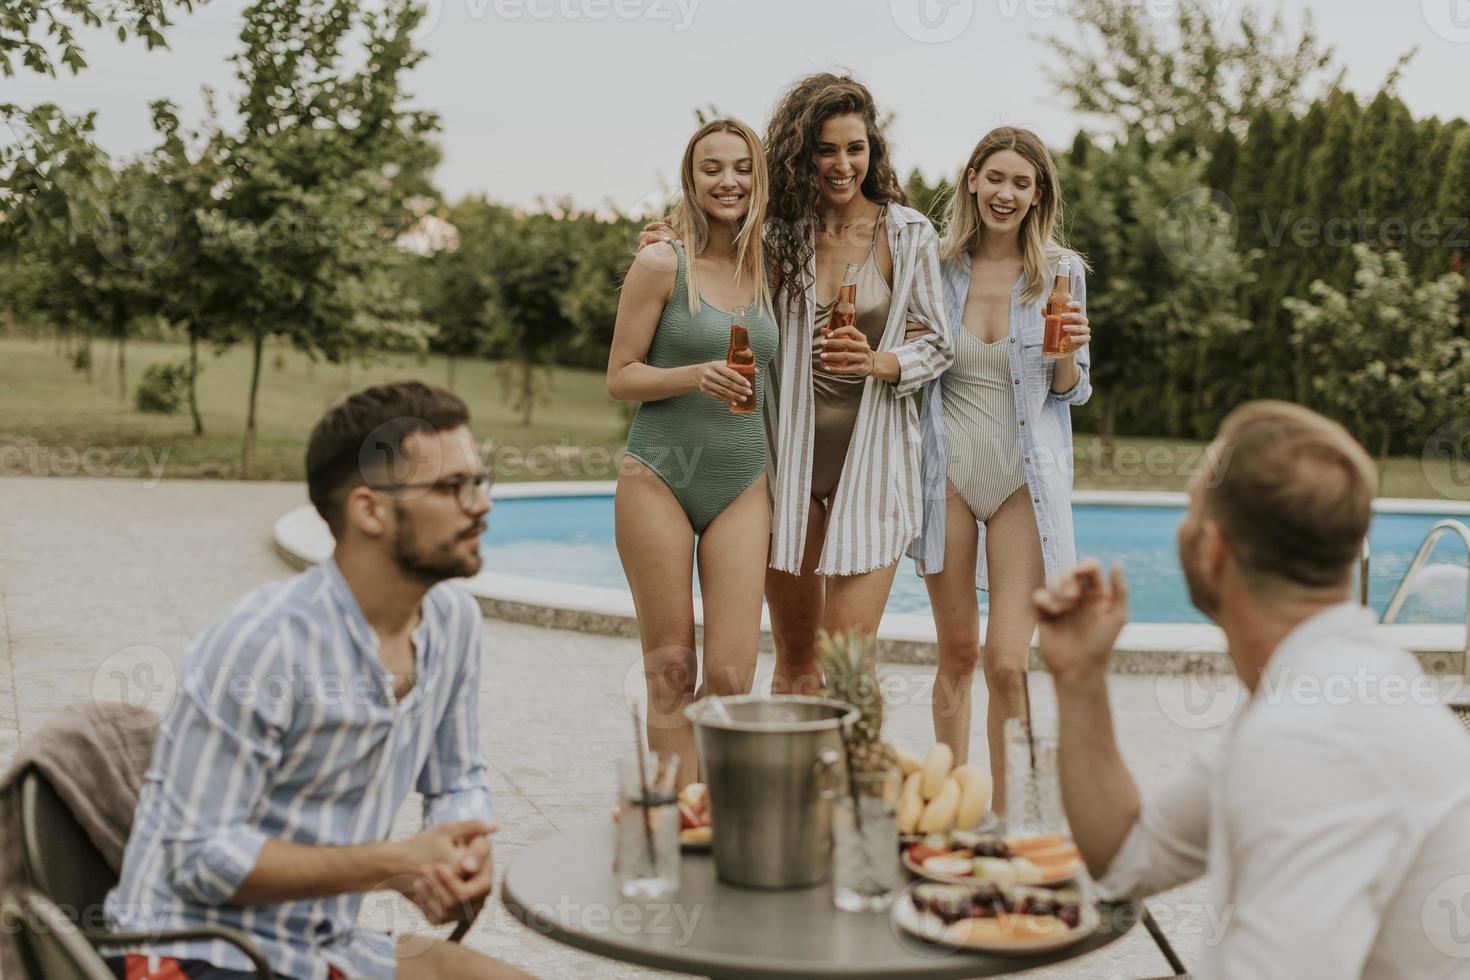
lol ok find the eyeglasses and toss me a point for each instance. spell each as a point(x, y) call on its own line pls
point(468, 488)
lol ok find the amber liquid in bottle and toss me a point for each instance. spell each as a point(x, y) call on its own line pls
point(741, 359)
point(1056, 342)
point(844, 307)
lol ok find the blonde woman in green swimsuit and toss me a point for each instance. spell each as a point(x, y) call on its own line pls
point(693, 483)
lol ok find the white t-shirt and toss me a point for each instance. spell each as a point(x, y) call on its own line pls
point(1334, 822)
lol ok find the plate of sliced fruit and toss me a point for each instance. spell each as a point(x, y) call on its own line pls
point(986, 916)
point(961, 857)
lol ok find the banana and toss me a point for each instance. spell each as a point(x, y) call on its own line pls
point(936, 768)
point(939, 814)
point(910, 804)
point(908, 763)
point(974, 795)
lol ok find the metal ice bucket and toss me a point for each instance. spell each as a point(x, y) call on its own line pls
point(773, 766)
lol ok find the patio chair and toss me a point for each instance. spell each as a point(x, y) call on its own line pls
point(50, 945)
point(65, 867)
point(62, 863)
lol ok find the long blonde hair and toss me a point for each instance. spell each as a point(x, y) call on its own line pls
point(691, 224)
point(1042, 241)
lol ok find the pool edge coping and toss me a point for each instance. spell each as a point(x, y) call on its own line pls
point(301, 539)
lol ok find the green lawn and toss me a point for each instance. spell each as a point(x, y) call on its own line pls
point(50, 417)
point(51, 414)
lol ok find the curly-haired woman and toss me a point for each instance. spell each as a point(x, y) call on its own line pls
point(846, 490)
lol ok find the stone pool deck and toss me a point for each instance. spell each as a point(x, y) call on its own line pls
point(91, 570)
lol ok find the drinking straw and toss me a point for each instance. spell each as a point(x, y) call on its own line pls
point(645, 794)
point(1030, 734)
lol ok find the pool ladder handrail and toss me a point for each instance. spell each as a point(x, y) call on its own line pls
point(1401, 594)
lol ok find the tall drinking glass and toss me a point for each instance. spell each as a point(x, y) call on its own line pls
point(1033, 789)
point(866, 873)
point(647, 858)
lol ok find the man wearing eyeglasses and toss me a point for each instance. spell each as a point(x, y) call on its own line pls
point(308, 713)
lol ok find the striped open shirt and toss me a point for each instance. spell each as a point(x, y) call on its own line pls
point(285, 726)
point(877, 509)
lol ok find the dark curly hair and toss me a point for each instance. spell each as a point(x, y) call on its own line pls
point(791, 152)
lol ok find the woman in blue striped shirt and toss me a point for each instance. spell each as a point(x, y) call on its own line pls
point(998, 431)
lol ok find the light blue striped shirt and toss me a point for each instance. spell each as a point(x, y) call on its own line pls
point(285, 726)
point(1045, 419)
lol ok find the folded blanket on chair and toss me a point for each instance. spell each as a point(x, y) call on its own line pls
point(95, 754)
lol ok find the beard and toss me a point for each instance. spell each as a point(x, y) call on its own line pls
point(431, 564)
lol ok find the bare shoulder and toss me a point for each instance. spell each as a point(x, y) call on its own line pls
point(658, 259)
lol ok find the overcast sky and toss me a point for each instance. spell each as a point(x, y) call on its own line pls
point(594, 98)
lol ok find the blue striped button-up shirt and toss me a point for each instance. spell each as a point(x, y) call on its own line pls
point(286, 726)
point(1045, 419)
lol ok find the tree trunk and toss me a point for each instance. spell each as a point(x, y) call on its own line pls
point(528, 391)
point(122, 368)
point(87, 346)
point(194, 383)
point(247, 456)
point(1384, 444)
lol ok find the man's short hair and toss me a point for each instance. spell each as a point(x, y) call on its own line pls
point(385, 415)
point(1293, 493)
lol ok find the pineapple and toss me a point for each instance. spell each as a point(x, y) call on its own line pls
point(850, 667)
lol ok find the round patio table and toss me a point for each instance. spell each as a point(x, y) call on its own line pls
point(563, 887)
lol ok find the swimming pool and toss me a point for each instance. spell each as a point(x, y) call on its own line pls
point(569, 539)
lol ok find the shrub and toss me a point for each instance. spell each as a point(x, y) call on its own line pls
point(163, 388)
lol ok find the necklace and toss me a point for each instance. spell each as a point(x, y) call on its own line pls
point(833, 236)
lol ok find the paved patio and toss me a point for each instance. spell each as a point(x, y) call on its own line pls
point(99, 574)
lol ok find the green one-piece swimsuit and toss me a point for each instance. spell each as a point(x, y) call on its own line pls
point(706, 454)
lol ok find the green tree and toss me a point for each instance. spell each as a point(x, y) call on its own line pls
point(1187, 80)
point(49, 151)
point(1395, 359)
point(312, 186)
point(524, 311)
point(1163, 294)
point(1454, 201)
point(930, 200)
point(456, 284)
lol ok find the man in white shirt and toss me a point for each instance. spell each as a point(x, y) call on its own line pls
point(1334, 821)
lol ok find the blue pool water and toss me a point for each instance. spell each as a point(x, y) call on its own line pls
point(570, 539)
